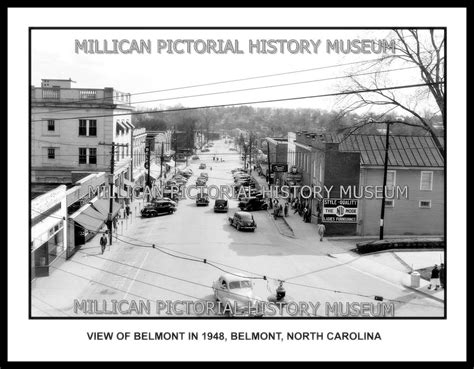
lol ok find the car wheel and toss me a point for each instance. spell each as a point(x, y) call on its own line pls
point(238, 227)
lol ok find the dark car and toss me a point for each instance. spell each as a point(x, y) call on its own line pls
point(252, 204)
point(221, 206)
point(243, 221)
point(157, 208)
point(202, 199)
point(249, 192)
point(202, 166)
point(201, 181)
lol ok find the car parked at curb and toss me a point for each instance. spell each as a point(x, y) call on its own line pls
point(252, 204)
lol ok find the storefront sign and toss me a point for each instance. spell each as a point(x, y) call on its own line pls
point(280, 167)
point(340, 211)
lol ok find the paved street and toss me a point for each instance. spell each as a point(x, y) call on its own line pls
point(131, 269)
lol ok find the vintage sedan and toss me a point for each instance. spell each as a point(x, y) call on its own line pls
point(243, 220)
point(202, 199)
point(221, 206)
point(202, 166)
point(252, 204)
point(237, 297)
point(157, 208)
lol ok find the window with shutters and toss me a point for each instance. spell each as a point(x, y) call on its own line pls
point(51, 153)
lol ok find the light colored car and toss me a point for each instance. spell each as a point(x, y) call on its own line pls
point(237, 294)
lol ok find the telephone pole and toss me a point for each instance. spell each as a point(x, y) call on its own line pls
point(111, 185)
point(385, 166)
point(268, 160)
point(161, 159)
point(250, 151)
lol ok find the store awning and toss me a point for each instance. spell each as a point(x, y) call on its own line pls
point(103, 205)
point(122, 126)
point(89, 218)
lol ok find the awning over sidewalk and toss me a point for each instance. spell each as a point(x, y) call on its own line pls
point(102, 206)
point(89, 218)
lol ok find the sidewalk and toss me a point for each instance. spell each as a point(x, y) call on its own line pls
point(308, 231)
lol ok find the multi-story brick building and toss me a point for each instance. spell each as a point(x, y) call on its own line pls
point(73, 129)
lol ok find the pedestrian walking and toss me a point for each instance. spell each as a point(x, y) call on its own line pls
point(434, 278)
point(305, 212)
point(321, 230)
point(114, 223)
point(280, 210)
point(122, 212)
point(286, 210)
point(127, 210)
point(442, 276)
point(103, 242)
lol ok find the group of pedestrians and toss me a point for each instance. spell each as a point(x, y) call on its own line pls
point(438, 277)
point(123, 213)
point(303, 209)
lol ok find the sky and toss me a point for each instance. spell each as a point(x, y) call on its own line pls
point(53, 55)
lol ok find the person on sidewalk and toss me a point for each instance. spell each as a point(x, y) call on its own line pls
point(442, 276)
point(127, 210)
point(434, 278)
point(321, 230)
point(286, 209)
point(103, 242)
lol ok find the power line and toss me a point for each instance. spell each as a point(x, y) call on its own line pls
point(256, 88)
point(250, 102)
point(234, 80)
point(263, 277)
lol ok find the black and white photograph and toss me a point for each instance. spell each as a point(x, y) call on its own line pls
point(269, 178)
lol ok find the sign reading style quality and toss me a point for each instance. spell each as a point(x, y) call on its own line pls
point(340, 210)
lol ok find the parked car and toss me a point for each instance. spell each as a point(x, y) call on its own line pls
point(237, 294)
point(202, 166)
point(202, 199)
point(204, 174)
point(195, 157)
point(154, 209)
point(249, 192)
point(185, 174)
point(232, 149)
point(201, 181)
point(252, 204)
point(243, 221)
point(221, 206)
point(205, 150)
point(163, 200)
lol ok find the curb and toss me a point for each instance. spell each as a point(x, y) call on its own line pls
point(425, 294)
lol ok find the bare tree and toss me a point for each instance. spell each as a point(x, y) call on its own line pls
point(421, 51)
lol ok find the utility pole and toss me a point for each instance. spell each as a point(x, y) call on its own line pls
point(111, 185)
point(382, 211)
point(175, 149)
point(161, 159)
point(250, 152)
point(148, 167)
point(111, 194)
point(268, 160)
